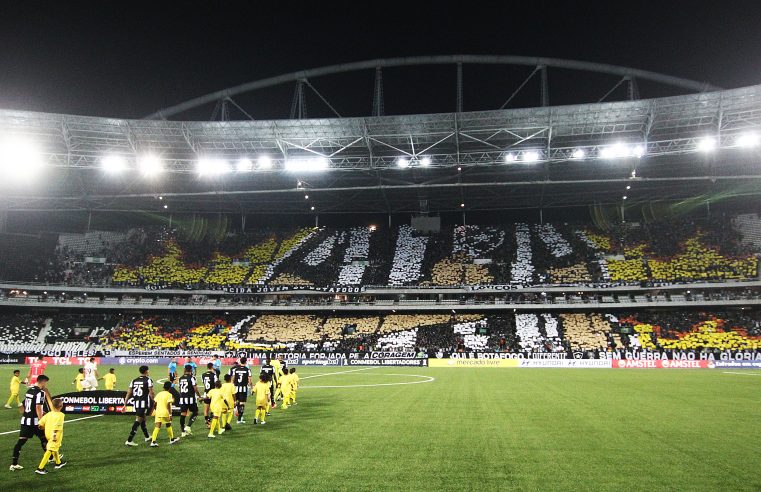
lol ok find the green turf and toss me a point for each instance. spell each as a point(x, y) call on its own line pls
point(469, 429)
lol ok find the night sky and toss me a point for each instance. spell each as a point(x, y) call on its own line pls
point(128, 59)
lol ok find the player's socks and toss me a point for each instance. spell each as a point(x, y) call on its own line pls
point(144, 428)
point(192, 419)
point(170, 431)
point(182, 421)
point(132, 433)
point(17, 450)
point(155, 434)
point(214, 425)
point(44, 461)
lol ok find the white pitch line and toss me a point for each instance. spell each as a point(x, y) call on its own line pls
point(427, 379)
point(339, 372)
point(65, 422)
point(743, 373)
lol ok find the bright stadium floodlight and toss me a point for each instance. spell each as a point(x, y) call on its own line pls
point(264, 162)
point(530, 156)
point(706, 144)
point(212, 167)
point(307, 165)
point(510, 157)
point(614, 151)
point(747, 140)
point(150, 165)
point(425, 161)
point(403, 162)
point(637, 151)
point(578, 154)
point(113, 164)
point(244, 165)
point(19, 161)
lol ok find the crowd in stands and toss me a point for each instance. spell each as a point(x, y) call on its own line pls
point(185, 332)
point(428, 333)
point(408, 257)
point(674, 251)
point(20, 327)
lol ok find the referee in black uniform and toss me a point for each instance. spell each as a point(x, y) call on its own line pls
point(34, 405)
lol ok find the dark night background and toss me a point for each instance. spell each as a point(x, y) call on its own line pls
point(128, 59)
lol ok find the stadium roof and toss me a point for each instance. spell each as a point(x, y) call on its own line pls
point(663, 149)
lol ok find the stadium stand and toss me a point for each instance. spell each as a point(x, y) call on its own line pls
point(522, 269)
point(531, 332)
point(408, 257)
point(20, 327)
point(523, 254)
point(169, 332)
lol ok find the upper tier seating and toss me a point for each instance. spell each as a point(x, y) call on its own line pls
point(520, 254)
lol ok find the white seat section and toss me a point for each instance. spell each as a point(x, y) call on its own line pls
point(471, 339)
point(398, 341)
point(408, 257)
point(557, 245)
point(322, 251)
point(522, 269)
point(476, 241)
point(358, 250)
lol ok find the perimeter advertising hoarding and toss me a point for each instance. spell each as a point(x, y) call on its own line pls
point(479, 363)
point(95, 402)
point(662, 364)
point(100, 402)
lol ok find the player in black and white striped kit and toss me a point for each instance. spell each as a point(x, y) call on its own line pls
point(141, 392)
point(188, 400)
point(34, 405)
point(209, 380)
point(241, 376)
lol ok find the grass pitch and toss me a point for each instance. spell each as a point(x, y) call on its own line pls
point(452, 429)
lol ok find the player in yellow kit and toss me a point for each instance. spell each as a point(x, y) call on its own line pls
point(262, 392)
point(15, 383)
point(285, 389)
point(228, 390)
point(52, 424)
point(278, 374)
point(163, 415)
point(218, 406)
point(110, 379)
point(294, 385)
point(78, 380)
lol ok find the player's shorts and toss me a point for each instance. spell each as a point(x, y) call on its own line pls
point(29, 431)
point(90, 383)
point(242, 397)
point(141, 412)
point(53, 446)
point(172, 377)
point(218, 410)
point(262, 403)
point(192, 407)
point(163, 420)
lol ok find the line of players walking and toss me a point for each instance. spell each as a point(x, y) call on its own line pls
point(222, 402)
point(224, 399)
